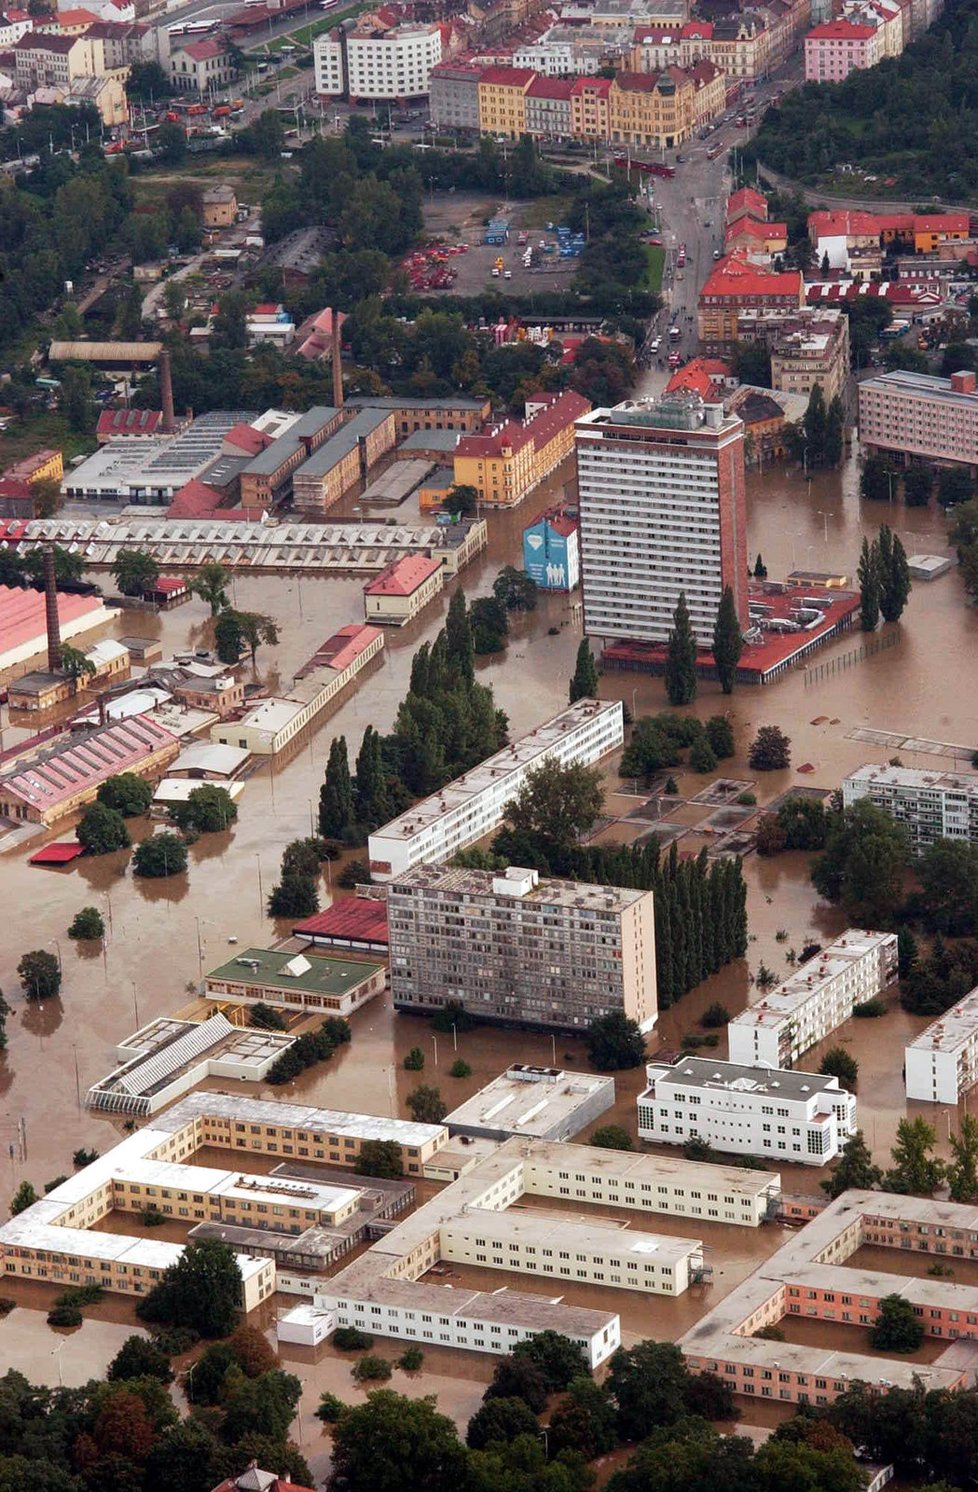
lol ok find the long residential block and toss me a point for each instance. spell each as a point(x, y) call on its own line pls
point(817, 998)
point(932, 805)
point(919, 414)
point(471, 806)
point(796, 1116)
point(514, 948)
point(942, 1062)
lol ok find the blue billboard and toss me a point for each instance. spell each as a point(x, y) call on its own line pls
point(549, 555)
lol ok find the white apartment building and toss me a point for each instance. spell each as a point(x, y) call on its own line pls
point(793, 1116)
point(514, 949)
point(471, 806)
point(932, 805)
point(817, 998)
point(942, 1062)
point(373, 63)
point(662, 505)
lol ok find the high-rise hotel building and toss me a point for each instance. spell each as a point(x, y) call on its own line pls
point(661, 488)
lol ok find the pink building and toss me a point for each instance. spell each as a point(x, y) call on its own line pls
point(834, 49)
point(920, 415)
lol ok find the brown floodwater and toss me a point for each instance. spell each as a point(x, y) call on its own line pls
point(926, 685)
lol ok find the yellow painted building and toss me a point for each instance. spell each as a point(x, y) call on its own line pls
point(652, 109)
point(502, 101)
point(507, 462)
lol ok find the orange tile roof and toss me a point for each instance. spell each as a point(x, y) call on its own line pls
point(734, 277)
point(403, 577)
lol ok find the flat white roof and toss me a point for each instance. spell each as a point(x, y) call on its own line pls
point(178, 789)
point(591, 1234)
point(806, 983)
point(951, 1031)
point(209, 756)
point(272, 715)
point(530, 1105)
point(916, 778)
point(298, 1116)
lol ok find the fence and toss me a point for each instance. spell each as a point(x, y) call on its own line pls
point(848, 660)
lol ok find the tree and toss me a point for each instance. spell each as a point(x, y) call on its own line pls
point(380, 1158)
point(126, 794)
point(868, 572)
point(918, 484)
point(906, 951)
point(584, 680)
point(838, 1063)
point(336, 793)
point(500, 1420)
point(304, 857)
point(135, 571)
point(229, 636)
point(559, 1359)
point(894, 575)
point(209, 809)
point(863, 863)
point(40, 975)
point(701, 757)
point(519, 1378)
point(963, 528)
point(147, 83)
point(752, 363)
point(24, 1197)
point(896, 1328)
point(835, 429)
point(614, 1042)
point(46, 497)
point(458, 636)
point(294, 896)
point(370, 796)
point(948, 875)
point(962, 1171)
point(139, 1358)
point(559, 802)
point(461, 500)
point(489, 623)
point(760, 568)
point(75, 398)
point(719, 733)
point(87, 924)
point(648, 1383)
point(75, 665)
point(804, 823)
point(954, 485)
point(770, 750)
point(264, 1017)
point(373, 1443)
point(211, 585)
point(855, 1169)
point(67, 566)
point(585, 1422)
point(681, 656)
point(728, 641)
point(915, 1169)
point(611, 1137)
point(160, 855)
point(876, 479)
point(202, 1289)
point(101, 830)
point(257, 629)
point(426, 1104)
point(517, 592)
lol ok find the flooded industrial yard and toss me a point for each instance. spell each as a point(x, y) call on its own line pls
point(926, 685)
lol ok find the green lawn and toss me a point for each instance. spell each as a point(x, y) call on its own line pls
point(657, 260)
point(543, 210)
point(306, 34)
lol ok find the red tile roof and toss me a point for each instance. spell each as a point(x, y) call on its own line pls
point(342, 649)
point(517, 77)
point(128, 421)
point(735, 278)
point(747, 200)
point(840, 30)
point(550, 88)
point(194, 500)
point(697, 31)
point(404, 576)
point(83, 760)
point(169, 585)
point(248, 439)
point(22, 614)
point(754, 229)
point(60, 853)
point(601, 86)
point(856, 223)
point(701, 376)
point(637, 82)
point(200, 51)
point(561, 410)
point(353, 919)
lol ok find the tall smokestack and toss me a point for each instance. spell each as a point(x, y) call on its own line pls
point(51, 610)
point(166, 392)
point(337, 363)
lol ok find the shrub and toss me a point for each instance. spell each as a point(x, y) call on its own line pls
point(414, 1061)
point(372, 1369)
point(770, 1333)
point(330, 1409)
point(747, 800)
point(714, 1016)
point(266, 1018)
point(770, 838)
point(160, 855)
point(702, 757)
point(459, 1069)
point(719, 733)
point(308, 1049)
point(351, 1339)
point(83, 1157)
point(411, 1359)
point(87, 924)
point(64, 1315)
point(869, 1009)
point(7, 1305)
point(151, 1218)
point(453, 1014)
point(354, 873)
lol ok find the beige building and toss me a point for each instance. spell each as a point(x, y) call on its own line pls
point(220, 207)
point(291, 981)
point(48, 60)
point(201, 66)
point(811, 349)
point(403, 590)
point(918, 414)
point(516, 950)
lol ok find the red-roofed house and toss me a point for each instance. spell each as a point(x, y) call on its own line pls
point(548, 107)
point(62, 778)
point(706, 376)
point(354, 924)
point(746, 202)
point(589, 108)
point(837, 48)
point(838, 233)
point(127, 424)
point(505, 463)
point(201, 66)
point(403, 589)
point(314, 339)
point(253, 1479)
point(502, 100)
point(733, 286)
point(194, 500)
point(68, 22)
point(755, 237)
point(16, 498)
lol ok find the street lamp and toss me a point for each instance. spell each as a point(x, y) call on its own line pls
point(824, 515)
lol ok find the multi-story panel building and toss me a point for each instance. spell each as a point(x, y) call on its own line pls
point(329, 64)
point(392, 64)
point(514, 949)
point(932, 805)
point(453, 96)
point(661, 491)
point(792, 1116)
point(942, 1062)
point(468, 808)
point(812, 349)
point(918, 414)
point(816, 999)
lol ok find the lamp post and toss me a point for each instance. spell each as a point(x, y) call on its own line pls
point(135, 1002)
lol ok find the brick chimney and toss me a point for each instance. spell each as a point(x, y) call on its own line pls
point(337, 362)
point(51, 610)
point(169, 423)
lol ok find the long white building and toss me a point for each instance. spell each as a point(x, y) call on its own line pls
point(471, 806)
point(942, 1062)
point(791, 1116)
point(932, 805)
point(817, 998)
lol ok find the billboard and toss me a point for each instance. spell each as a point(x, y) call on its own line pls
point(550, 557)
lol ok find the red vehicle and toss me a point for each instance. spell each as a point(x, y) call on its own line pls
point(675, 359)
point(221, 112)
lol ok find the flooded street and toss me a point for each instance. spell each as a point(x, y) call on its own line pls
point(926, 685)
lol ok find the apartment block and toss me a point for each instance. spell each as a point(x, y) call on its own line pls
point(807, 1278)
point(651, 108)
point(735, 286)
point(837, 48)
point(919, 414)
point(942, 1062)
point(515, 949)
point(453, 96)
point(931, 805)
point(502, 100)
point(504, 464)
point(791, 1116)
point(814, 1000)
point(811, 350)
point(472, 805)
point(663, 512)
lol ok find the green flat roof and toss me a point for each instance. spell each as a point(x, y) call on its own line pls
point(325, 976)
